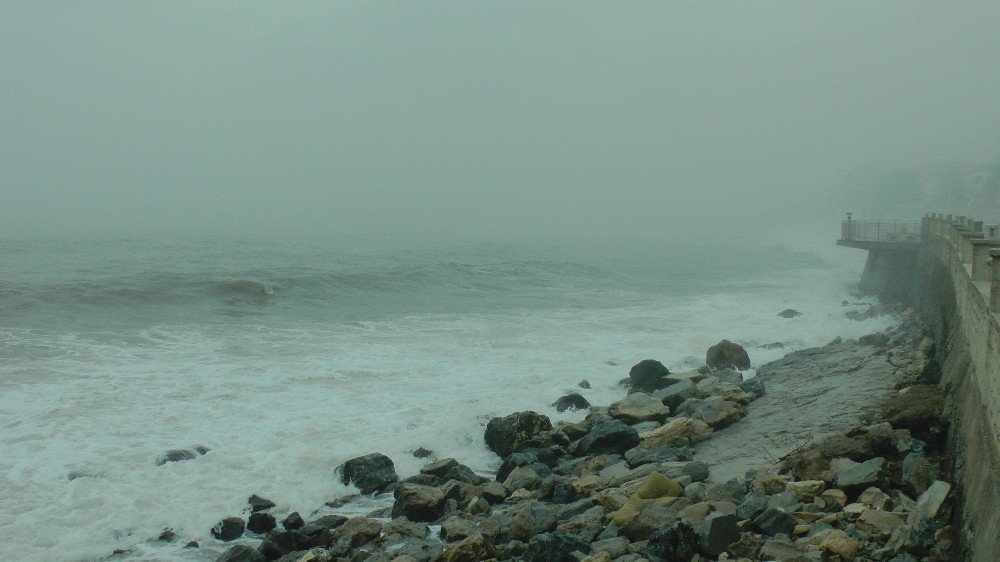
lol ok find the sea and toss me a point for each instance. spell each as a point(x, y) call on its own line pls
point(284, 357)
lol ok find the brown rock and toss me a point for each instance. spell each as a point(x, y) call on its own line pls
point(727, 354)
point(470, 549)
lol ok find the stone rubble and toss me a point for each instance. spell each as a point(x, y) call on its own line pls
point(623, 486)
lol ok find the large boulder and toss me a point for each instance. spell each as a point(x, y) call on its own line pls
point(647, 375)
point(508, 434)
point(637, 408)
point(607, 437)
point(370, 473)
point(727, 355)
point(418, 503)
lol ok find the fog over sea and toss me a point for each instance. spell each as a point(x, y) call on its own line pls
point(287, 357)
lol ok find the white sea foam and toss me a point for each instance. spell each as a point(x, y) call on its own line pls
point(281, 407)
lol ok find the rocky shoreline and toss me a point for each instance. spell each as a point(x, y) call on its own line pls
point(636, 480)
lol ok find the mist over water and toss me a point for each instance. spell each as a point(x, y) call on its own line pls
point(287, 357)
point(298, 233)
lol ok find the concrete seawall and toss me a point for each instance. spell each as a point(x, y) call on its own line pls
point(956, 287)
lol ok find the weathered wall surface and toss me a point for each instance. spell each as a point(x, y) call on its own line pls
point(958, 292)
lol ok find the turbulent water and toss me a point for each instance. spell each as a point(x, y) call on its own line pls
point(287, 357)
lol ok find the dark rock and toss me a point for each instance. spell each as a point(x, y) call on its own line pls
point(646, 375)
point(240, 553)
point(585, 384)
point(862, 475)
point(516, 460)
point(918, 473)
point(451, 469)
point(230, 528)
point(508, 434)
point(293, 521)
point(258, 503)
point(370, 473)
point(261, 522)
point(571, 401)
point(789, 313)
point(727, 354)
point(608, 437)
point(279, 543)
point(563, 493)
point(774, 521)
point(422, 453)
point(168, 535)
point(638, 456)
point(192, 544)
point(176, 455)
point(696, 470)
point(753, 505)
point(676, 543)
point(418, 503)
point(717, 532)
point(355, 532)
point(753, 386)
point(555, 547)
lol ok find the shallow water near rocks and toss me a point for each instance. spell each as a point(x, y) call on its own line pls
point(285, 358)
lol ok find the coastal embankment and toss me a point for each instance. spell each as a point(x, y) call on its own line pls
point(843, 464)
point(956, 289)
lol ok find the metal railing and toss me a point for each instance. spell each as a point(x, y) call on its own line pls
point(880, 231)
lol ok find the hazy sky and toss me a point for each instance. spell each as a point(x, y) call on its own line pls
point(474, 118)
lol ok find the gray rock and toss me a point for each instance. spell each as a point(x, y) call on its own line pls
point(918, 473)
point(508, 434)
point(451, 469)
point(675, 394)
point(240, 553)
point(929, 502)
point(279, 543)
point(522, 477)
point(753, 505)
point(753, 386)
point(789, 313)
point(370, 473)
point(615, 546)
point(714, 410)
point(638, 407)
point(774, 521)
point(638, 456)
point(418, 503)
point(862, 475)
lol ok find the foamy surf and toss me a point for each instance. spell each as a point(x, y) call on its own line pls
point(280, 403)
